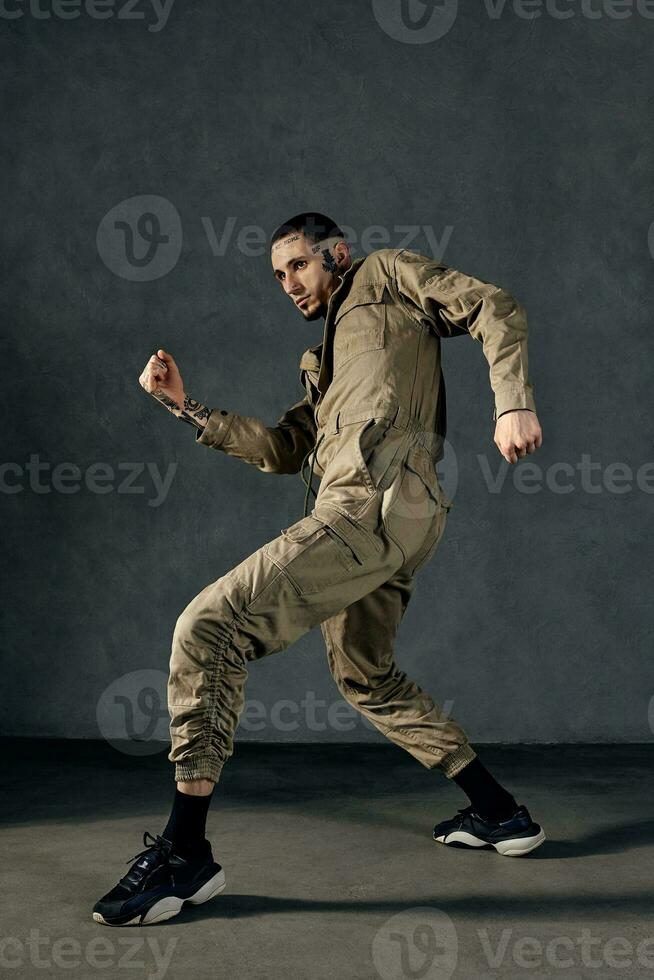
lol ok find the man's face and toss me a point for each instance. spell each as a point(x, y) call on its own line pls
point(309, 271)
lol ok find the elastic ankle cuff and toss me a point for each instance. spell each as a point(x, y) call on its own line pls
point(453, 763)
point(202, 767)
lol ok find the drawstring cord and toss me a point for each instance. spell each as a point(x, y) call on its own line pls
point(308, 484)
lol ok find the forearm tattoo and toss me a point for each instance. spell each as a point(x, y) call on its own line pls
point(192, 411)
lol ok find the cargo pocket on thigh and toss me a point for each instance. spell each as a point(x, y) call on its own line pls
point(311, 556)
point(359, 541)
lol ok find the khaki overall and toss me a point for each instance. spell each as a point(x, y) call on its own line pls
point(373, 422)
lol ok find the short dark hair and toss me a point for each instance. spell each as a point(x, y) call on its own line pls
point(315, 226)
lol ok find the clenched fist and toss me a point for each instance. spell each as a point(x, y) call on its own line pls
point(161, 378)
point(518, 432)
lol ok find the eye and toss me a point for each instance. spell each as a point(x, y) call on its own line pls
point(299, 263)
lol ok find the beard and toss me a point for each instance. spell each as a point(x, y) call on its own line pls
point(318, 313)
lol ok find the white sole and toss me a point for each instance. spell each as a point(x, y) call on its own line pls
point(167, 907)
point(507, 848)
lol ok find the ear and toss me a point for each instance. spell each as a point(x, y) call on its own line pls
point(342, 254)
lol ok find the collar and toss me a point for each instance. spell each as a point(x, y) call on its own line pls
point(347, 275)
point(311, 358)
point(346, 278)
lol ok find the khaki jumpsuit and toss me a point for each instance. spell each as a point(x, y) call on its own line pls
point(373, 422)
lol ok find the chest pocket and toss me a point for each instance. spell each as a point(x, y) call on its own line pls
point(360, 323)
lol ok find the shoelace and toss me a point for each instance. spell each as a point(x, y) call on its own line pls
point(464, 811)
point(159, 845)
point(469, 810)
point(309, 484)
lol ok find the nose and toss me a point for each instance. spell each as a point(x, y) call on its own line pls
point(291, 285)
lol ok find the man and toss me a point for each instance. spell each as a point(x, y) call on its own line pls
point(373, 420)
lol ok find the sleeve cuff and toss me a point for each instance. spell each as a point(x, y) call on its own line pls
point(215, 431)
point(512, 397)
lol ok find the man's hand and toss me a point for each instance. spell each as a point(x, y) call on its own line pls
point(161, 378)
point(517, 432)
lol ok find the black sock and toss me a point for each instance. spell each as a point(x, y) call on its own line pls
point(186, 824)
point(490, 800)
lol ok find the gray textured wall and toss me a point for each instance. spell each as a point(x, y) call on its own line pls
point(524, 145)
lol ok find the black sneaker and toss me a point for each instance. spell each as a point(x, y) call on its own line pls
point(513, 837)
point(158, 884)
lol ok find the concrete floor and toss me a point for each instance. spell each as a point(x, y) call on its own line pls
point(332, 873)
